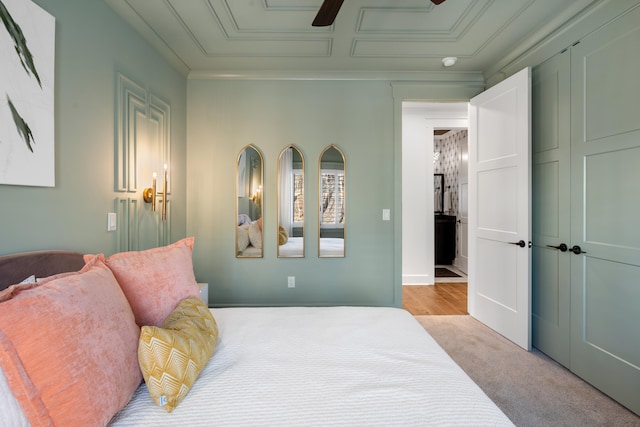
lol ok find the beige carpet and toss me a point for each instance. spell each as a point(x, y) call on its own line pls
point(529, 387)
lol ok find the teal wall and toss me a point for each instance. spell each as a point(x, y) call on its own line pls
point(92, 45)
point(362, 117)
point(358, 117)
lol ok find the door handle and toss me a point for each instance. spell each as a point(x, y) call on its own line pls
point(520, 243)
point(561, 247)
point(577, 250)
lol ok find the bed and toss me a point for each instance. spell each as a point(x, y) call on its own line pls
point(331, 247)
point(289, 366)
point(293, 247)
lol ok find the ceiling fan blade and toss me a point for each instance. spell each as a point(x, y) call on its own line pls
point(327, 13)
point(437, 2)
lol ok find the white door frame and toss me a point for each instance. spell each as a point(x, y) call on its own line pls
point(462, 228)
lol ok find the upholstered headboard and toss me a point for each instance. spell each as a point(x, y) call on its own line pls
point(14, 268)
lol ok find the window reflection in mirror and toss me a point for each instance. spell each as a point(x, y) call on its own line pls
point(332, 192)
point(249, 190)
point(291, 203)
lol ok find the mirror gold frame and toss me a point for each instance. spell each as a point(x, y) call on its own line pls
point(249, 203)
point(332, 191)
point(291, 235)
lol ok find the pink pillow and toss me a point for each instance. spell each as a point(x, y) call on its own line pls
point(68, 348)
point(156, 280)
point(12, 290)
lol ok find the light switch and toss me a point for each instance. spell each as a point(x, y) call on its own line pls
point(386, 214)
point(111, 221)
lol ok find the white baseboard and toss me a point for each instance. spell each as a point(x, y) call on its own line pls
point(461, 264)
point(418, 279)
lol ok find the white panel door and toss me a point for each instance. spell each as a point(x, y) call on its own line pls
point(462, 256)
point(499, 290)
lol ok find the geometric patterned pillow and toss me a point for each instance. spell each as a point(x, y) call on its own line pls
point(172, 356)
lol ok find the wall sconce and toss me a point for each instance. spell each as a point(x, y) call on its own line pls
point(150, 195)
point(257, 196)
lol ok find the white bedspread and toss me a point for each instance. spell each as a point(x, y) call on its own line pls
point(332, 247)
point(292, 248)
point(354, 366)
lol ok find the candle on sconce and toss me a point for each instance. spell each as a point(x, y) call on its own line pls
point(164, 193)
point(153, 197)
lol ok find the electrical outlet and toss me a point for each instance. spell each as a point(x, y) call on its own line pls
point(291, 281)
point(386, 214)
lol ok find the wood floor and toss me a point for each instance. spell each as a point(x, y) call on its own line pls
point(440, 298)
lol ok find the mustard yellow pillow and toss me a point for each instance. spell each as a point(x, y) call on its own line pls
point(172, 356)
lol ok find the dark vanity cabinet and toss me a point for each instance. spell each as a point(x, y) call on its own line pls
point(445, 239)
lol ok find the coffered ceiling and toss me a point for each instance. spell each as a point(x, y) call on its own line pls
point(245, 37)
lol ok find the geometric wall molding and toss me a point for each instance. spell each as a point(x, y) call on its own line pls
point(143, 136)
point(126, 239)
point(142, 147)
point(131, 102)
point(159, 116)
point(139, 227)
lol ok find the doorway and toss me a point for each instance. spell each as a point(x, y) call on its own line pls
point(450, 167)
point(441, 285)
point(499, 285)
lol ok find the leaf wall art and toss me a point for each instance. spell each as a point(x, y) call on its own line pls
point(27, 57)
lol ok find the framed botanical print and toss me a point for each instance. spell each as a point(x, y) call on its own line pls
point(27, 57)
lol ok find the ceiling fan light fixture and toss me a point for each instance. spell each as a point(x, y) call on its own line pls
point(327, 13)
point(449, 61)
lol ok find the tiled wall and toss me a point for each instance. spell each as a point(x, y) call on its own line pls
point(447, 163)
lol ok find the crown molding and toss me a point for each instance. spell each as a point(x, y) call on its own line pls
point(414, 76)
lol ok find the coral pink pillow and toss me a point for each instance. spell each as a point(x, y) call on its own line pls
point(156, 280)
point(68, 347)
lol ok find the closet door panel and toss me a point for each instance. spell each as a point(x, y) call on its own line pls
point(605, 153)
point(609, 69)
point(551, 214)
point(601, 293)
point(611, 180)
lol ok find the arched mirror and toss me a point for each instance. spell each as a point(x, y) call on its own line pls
point(249, 190)
point(291, 203)
point(332, 179)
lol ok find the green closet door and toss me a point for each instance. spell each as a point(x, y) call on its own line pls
point(551, 214)
point(605, 180)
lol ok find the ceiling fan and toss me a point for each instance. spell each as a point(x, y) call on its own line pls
point(329, 10)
